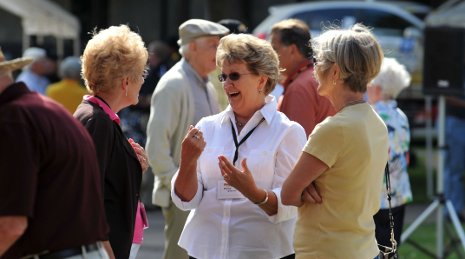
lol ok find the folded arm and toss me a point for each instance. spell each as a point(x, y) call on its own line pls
point(307, 169)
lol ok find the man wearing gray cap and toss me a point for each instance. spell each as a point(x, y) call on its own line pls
point(182, 97)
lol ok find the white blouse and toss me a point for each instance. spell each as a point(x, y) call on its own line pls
point(237, 228)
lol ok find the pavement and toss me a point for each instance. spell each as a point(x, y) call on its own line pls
point(152, 248)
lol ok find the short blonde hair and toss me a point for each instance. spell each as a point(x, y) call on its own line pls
point(356, 51)
point(112, 54)
point(392, 78)
point(257, 54)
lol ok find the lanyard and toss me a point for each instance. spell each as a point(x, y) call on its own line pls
point(106, 108)
point(236, 153)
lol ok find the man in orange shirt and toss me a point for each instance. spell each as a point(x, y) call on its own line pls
point(300, 100)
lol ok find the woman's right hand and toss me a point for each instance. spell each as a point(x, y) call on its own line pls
point(192, 145)
point(311, 194)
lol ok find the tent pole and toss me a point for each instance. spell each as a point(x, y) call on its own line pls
point(26, 41)
point(76, 46)
point(60, 48)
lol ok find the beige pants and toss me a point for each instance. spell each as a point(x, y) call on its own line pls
point(174, 223)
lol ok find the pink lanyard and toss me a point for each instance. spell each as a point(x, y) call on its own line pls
point(113, 116)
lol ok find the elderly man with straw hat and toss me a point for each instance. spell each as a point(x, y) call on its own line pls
point(51, 202)
point(182, 97)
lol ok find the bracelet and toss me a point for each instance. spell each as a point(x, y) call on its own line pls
point(264, 201)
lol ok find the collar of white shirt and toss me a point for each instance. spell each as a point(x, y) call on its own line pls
point(267, 112)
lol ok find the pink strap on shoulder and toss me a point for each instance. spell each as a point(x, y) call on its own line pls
point(113, 116)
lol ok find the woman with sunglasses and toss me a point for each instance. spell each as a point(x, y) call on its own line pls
point(234, 163)
point(345, 155)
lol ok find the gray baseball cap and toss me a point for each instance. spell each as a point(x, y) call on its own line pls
point(195, 28)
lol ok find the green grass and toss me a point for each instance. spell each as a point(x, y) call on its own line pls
point(417, 175)
point(425, 234)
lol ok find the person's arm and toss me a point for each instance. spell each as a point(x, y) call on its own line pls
point(307, 169)
point(11, 229)
point(18, 181)
point(107, 246)
point(287, 155)
point(243, 181)
point(185, 185)
point(285, 158)
point(164, 119)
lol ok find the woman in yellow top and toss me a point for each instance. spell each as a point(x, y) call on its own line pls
point(345, 155)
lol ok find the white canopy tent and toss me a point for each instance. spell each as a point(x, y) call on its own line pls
point(44, 18)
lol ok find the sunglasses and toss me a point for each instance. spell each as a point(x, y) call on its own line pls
point(234, 76)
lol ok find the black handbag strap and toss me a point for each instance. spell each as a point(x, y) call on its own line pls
point(389, 250)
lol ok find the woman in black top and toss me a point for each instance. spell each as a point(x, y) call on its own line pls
point(113, 70)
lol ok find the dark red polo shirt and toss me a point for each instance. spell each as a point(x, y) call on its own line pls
point(49, 173)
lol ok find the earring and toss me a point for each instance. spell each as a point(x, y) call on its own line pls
point(127, 83)
point(260, 91)
point(334, 82)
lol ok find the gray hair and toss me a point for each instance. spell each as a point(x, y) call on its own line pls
point(70, 67)
point(392, 78)
point(257, 54)
point(356, 52)
point(184, 49)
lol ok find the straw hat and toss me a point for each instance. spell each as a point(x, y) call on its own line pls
point(14, 64)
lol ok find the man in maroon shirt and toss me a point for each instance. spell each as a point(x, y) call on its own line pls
point(300, 100)
point(51, 202)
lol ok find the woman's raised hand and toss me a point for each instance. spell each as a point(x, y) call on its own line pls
point(193, 144)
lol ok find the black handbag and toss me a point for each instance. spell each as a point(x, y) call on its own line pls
point(386, 252)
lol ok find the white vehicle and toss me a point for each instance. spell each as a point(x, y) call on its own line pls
point(398, 30)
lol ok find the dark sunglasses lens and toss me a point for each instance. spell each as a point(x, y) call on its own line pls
point(222, 77)
point(234, 76)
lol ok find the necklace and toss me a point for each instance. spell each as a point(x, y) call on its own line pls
point(240, 124)
point(353, 103)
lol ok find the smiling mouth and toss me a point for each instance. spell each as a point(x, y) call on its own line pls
point(233, 94)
